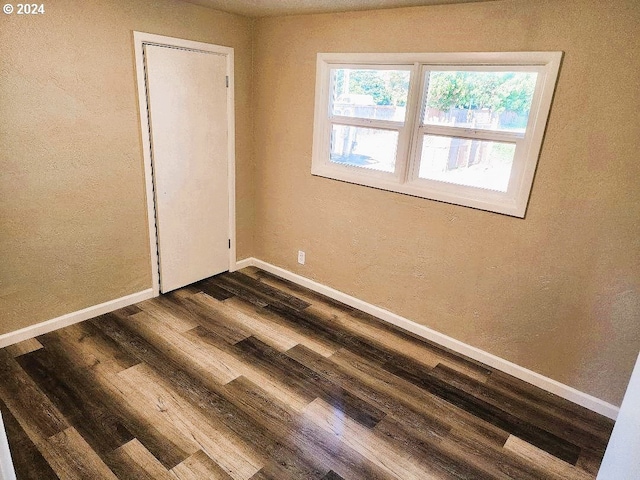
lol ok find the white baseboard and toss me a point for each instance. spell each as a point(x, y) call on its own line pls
point(529, 376)
point(247, 262)
point(73, 317)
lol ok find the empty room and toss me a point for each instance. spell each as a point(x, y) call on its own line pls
point(320, 239)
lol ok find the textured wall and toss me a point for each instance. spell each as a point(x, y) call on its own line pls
point(73, 226)
point(557, 292)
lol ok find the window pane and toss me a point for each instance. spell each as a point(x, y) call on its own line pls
point(474, 163)
point(370, 148)
point(369, 93)
point(483, 100)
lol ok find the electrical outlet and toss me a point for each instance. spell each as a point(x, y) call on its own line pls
point(301, 257)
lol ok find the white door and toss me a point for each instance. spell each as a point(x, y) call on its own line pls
point(187, 101)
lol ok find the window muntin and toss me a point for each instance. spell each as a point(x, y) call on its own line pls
point(485, 158)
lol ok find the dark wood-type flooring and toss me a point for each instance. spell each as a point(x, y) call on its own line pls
point(247, 376)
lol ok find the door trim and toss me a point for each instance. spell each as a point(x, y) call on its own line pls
point(140, 39)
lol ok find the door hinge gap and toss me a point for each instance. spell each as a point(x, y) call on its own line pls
point(227, 80)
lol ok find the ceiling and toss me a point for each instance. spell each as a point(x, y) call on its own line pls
point(271, 8)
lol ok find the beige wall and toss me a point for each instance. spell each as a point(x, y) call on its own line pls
point(73, 227)
point(557, 292)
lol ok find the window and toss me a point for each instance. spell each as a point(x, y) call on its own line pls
point(463, 128)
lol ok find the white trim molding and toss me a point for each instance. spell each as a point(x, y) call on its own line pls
point(247, 262)
point(73, 317)
point(569, 393)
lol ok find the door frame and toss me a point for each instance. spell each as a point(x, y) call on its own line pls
point(140, 39)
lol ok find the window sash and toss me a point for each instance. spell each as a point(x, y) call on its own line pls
point(426, 69)
point(367, 123)
point(471, 133)
point(363, 66)
point(414, 173)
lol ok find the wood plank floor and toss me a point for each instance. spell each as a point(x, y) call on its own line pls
point(247, 376)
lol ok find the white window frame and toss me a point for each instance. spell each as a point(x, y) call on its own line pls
point(405, 179)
